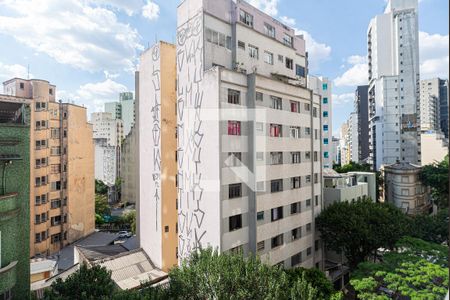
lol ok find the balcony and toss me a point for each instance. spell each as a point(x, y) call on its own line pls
point(9, 206)
point(8, 277)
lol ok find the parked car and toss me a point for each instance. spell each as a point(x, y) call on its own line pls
point(124, 234)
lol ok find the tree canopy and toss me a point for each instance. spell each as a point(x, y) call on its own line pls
point(100, 187)
point(353, 167)
point(436, 176)
point(432, 228)
point(359, 228)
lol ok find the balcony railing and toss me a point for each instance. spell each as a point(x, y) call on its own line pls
point(8, 277)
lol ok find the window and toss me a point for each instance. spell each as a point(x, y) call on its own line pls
point(308, 251)
point(37, 238)
point(234, 159)
point(37, 219)
point(315, 112)
point(308, 178)
point(326, 154)
point(56, 203)
point(55, 151)
point(37, 200)
point(295, 208)
point(276, 185)
point(260, 246)
point(259, 96)
point(308, 202)
point(294, 106)
point(296, 259)
point(268, 58)
point(405, 179)
point(277, 241)
point(56, 238)
point(43, 198)
point(307, 131)
point(295, 182)
point(325, 100)
point(276, 158)
point(234, 128)
point(316, 134)
point(54, 221)
point(316, 200)
point(276, 102)
point(21, 85)
point(269, 30)
point(296, 233)
point(218, 38)
point(308, 227)
point(253, 51)
point(235, 190)
point(235, 222)
point(259, 156)
point(55, 169)
point(275, 130)
point(325, 86)
point(288, 40)
point(56, 186)
point(325, 114)
point(294, 132)
point(300, 71)
point(241, 45)
point(289, 63)
point(295, 157)
point(325, 127)
point(315, 156)
point(260, 215)
point(246, 18)
point(325, 141)
point(307, 107)
point(280, 58)
point(234, 96)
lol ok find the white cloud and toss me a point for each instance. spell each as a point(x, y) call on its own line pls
point(150, 10)
point(317, 52)
point(94, 95)
point(434, 58)
point(343, 98)
point(356, 75)
point(288, 21)
point(357, 59)
point(73, 32)
point(10, 71)
point(130, 7)
point(270, 7)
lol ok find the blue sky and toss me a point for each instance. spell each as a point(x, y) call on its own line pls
point(89, 48)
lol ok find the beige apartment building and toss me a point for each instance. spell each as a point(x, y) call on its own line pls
point(61, 167)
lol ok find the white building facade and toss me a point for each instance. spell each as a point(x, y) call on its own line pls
point(394, 111)
point(249, 136)
point(353, 137)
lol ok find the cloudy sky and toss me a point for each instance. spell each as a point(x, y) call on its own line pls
point(89, 48)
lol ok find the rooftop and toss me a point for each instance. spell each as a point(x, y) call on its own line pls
point(12, 112)
point(403, 166)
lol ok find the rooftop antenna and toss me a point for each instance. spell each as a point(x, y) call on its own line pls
point(28, 75)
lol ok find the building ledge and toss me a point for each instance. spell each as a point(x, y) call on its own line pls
point(8, 277)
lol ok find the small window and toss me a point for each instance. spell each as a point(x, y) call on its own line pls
point(277, 241)
point(296, 259)
point(316, 200)
point(276, 158)
point(21, 85)
point(276, 185)
point(241, 45)
point(308, 202)
point(288, 40)
point(296, 157)
point(234, 97)
point(268, 57)
point(325, 141)
point(325, 100)
point(308, 227)
point(281, 58)
point(269, 30)
point(325, 86)
point(295, 106)
point(235, 222)
point(259, 96)
point(275, 130)
point(289, 63)
point(325, 114)
point(234, 190)
point(234, 128)
point(295, 208)
point(308, 178)
point(307, 107)
point(308, 251)
point(277, 103)
point(296, 233)
point(325, 127)
point(260, 246)
point(50, 91)
point(295, 182)
point(260, 216)
point(246, 18)
point(253, 52)
point(300, 71)
point(308, 155)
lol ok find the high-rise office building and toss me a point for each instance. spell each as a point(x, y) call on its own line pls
point(249, 146)
point(61, 168)
point(353, 137)
point(157, 155)
point(434, 105)
point(123, 110)
point(362, 111)
point(322, 86)
point(394, 111)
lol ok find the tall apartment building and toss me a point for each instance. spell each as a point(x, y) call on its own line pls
point(249, 136)
point(344, 142)
point(108, 136)
point(156, 99)
point(353, 137)
point(128, 167)
point(14, 198)
point(61, 168)
point(434, 105)
point(322, 86)
point(123, 110)
point(362, 110)
point(393, 58)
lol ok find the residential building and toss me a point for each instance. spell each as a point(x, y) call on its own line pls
point(345, 187)
point(156, 121)
point(61, 168)
point(403, 187)
point(394, 110)
point(14, 198)
point(129, 168)
point(115, 109)
point(42, 269)
point(122, 110)
point(344, 144)
point(323, 87)
point(434, 147)
point(336, 151)
point(249, 147)
point(108, 136)
point(434, 105)
point(371, 179)
point(353, 137)
point(362, 110)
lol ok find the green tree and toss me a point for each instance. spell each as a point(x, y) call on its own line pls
point(129, 218)
point(101, 205)
point(315, 277)
point(359, 228)
point(432, 228)
point(100, 187)
point(87, 283)
point(436, 176)
point(353, 167)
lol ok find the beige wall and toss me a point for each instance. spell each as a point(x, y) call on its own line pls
point(168, 159)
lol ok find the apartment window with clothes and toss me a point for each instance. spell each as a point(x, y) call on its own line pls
point(289, 63)
point(294, 106)
point(295, 182)
point(276, 185)
point(300, 71)
point(277, 241)
point(234, 128)
point(275, 130)
point(288, 40)
point(241, 45)
point(295, 208)
point(276, 158)
point(269, 30)
point(246, 18)
point(234, 190)
point(296, 157)
point(294, 132)
point(234, 97)
point(325, 100)
point(260, 246)
point(235, 222)
point(259, 96)
point(234, 159)
point(296, 259)
point(253, 51)
point(260, 215)
point(268, 58)
point(296, 233)
point(276, 214)
point(277, 103)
